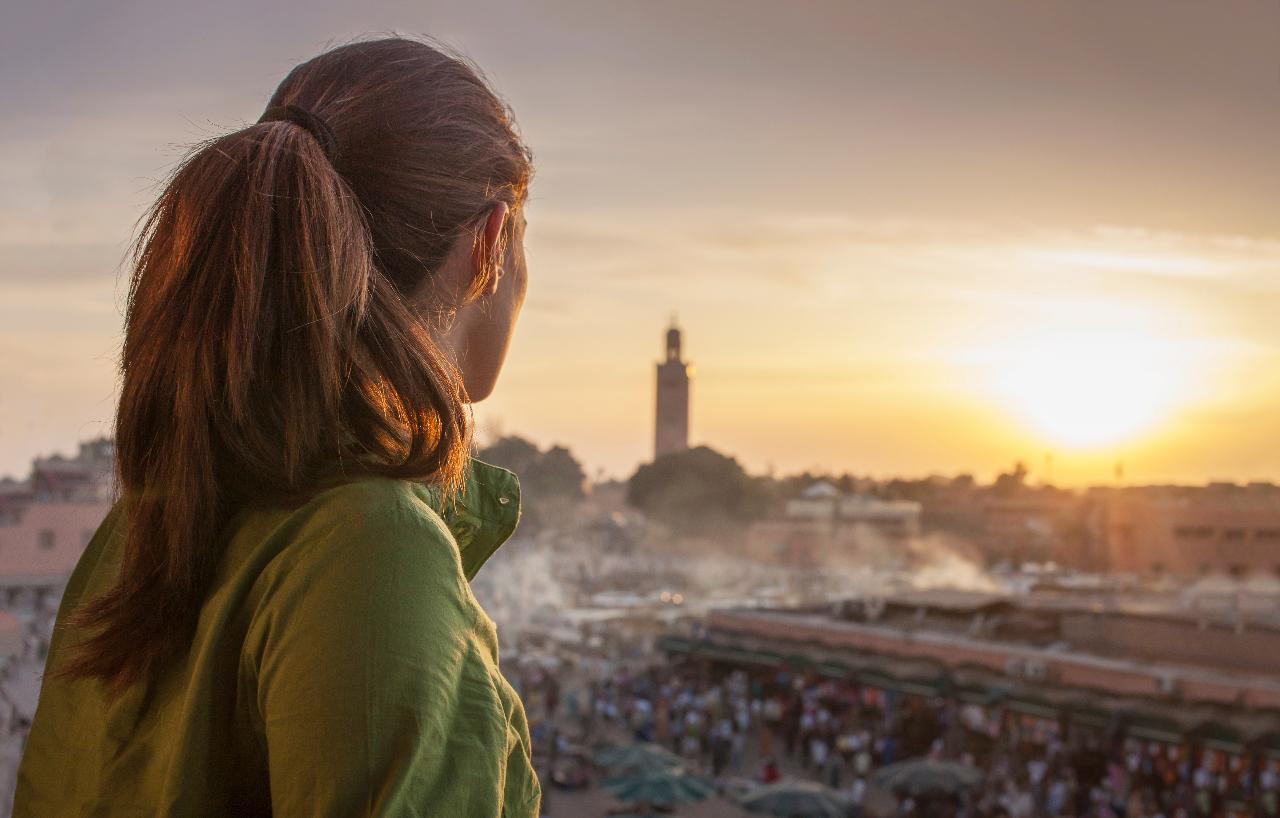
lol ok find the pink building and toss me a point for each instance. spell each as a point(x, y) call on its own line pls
point(1027, 526)
point(48, 519)
point(1223, 529)
point(43, 543)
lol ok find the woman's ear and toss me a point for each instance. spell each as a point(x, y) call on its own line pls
point(487, 253)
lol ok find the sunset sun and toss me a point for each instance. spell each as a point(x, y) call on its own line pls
point(1090, 389)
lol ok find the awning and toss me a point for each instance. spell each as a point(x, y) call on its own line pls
point(1028, 706)
point(874, 678)
point(1218, 736)
point(912, 687)
point(1149, 727)
point(981, 694)
point(736, 655)
point(1088, 715)
point(674, 644)
point(716, 652)
point(834, 670)
point(1268, 743)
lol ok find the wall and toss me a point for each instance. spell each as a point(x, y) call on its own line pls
point(71, 524)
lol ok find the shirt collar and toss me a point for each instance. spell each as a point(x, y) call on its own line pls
point(485, 514)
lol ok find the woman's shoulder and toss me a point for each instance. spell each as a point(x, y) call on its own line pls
point(376, 500)
point(366, 529)
point(372, 508)
point(363, 558)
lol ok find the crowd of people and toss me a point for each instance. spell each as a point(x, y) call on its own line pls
point(763, 726)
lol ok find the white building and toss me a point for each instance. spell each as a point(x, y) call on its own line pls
point(824, 502)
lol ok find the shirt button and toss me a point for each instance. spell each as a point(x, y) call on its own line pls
point(504, 500)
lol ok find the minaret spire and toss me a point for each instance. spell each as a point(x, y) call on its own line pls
point(671, 417)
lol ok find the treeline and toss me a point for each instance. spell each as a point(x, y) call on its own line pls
point(701, 491)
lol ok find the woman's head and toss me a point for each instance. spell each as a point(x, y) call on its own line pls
point(434, 158)
point(301, 314)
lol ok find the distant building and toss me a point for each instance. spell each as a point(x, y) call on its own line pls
point(1041, 646)
point(823, 521)
point(954, 507)
point(48, 519)
point(1029, 526)
point(1220, 529)
point(671, 418)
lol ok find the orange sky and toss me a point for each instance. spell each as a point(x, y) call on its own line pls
point(902, 238)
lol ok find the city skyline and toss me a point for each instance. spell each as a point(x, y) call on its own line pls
point(888, 226)
point(1033, 475)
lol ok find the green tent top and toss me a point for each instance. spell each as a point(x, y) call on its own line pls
point(662, 786)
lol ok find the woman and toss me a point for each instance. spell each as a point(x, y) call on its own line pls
point(275, 618)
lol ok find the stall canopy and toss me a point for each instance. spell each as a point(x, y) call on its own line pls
point(1218, 736)
point(1088, 713)
point(1150, 727)
point(1032, 706)
point(723, 653)
point(911, 686)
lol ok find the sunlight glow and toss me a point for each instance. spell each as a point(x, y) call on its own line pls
point(1090, 388)
point(1168, 265)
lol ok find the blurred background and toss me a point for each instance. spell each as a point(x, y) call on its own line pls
point(896, 381)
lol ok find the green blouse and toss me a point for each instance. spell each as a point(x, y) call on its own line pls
point(341, 667)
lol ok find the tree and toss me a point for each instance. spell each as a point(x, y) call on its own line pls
point(556, 473)
point(511, 452)
point(1010, 483)
point(549, 480)
point(696, 491)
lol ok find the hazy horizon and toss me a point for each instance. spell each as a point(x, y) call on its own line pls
point(901, 239)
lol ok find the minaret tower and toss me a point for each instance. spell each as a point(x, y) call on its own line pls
point(671, 426)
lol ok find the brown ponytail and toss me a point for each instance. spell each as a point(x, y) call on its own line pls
point(271, 347)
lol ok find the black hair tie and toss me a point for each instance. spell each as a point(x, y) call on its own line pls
point(316, 126)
